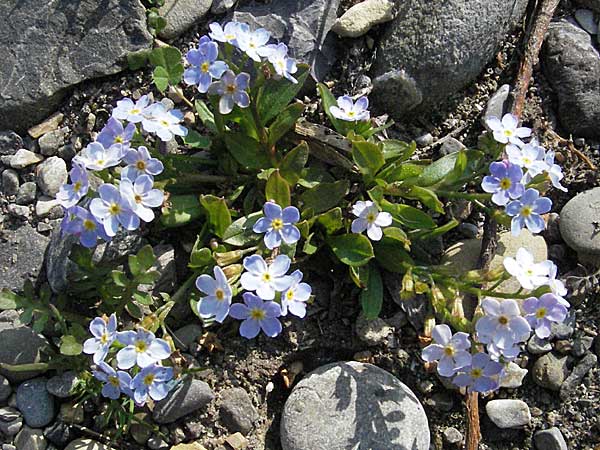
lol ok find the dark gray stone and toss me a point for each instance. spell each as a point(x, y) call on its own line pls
point(581, 345)
point(577, 220)
point(572, 65)
point(302, 24)
point(10, 182)
point(187, 335)
point(353, 405)
point(62, 385)
point(187, 397)
point(237, 411)
point(5, 389)
point(50, 142)
point(30, 439)
point(21, 345)
point(26, 193)
point(10, 142)
point(549, 371)
point(57, 262)
point(537, 346)
point(181, 15)
point(49, 46)
point(440, 47)
point(592, 4)
point(550, 439)
point(579, 371)
point(60, 433)
point(21, 256)
point(221, 6)
point(35, 402)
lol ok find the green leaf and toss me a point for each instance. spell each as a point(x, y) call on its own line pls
point(195, 140)
point(399, 235)
point(309, 248)
point(360, 275)
point(352, 249)
point(119, 278)
point(371, 298)
point(169, 58)
point(278, 189)
point(247, 151)
point(146, 257)
point(160, 76)
point(325, 196)
point(182, 209)
point(400, 171)
point(368, 157)
point(205, 115)
point(218, 213)
point(284, 122)
point(200, 255)
point(69, 346)
point(148, 277)
point(144, 299)
point(394, 149)
point(448, 170)
point(408, 216)
point(275, 95)
point(8, 299)
point(240, 232)
point(314, 174)
point(331, 220)
point(155, 21)
point(293, 162)
point(424, 195)
point(391, 255)
point(137, 60)
point(328, 101)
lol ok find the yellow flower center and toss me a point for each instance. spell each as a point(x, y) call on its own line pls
point(449, 351)
point(526, 211)
point(290, 295)
point(164, 123)
point(266, 276)
point(89, 225)
point(541, 313)
point(119, 139)
point(104, 338)
point(351, 113)
point(140, 165)
point(508, 133)
point(77, 186)
point(371, 217)
point(140, 346)
point(135, 111)
point(505, 183)
point(114, 381)
point(149, 379)
point(100, 162)
point(527, 161)
point(257, 314)
point(220, 294)
point(503, 320)
point(230, 37)
point(114, 209)
point(277, 224)
point(138, 198)
point(477, 373)
point(204, 67)
point(230, 88)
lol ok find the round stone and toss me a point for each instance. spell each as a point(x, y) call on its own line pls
point(580, 225)
point(508, 413)
point(349, 404)
point(86, 444)
point(35, 402)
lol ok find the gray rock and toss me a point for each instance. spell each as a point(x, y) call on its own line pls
point(302, 24)
point(18, 211)
point(50, 142)
point(181, 15)
point(86, 444)
point(453, 436)
point(513, 375)
point(564, 329)
point(46, 207)
point(221, 6)
point(237, 411)
point(59, 45)
point(577, 224)
point(550, 439)
point(24, 158)
point(350, 405)
point(30, 439)
point(123, 244)
point(393, 85)
point(10, 182)
point(549, 371)
point(537, 346)
point(21, 256)
point(60, 433)
point(12, 427)
point(187, 397)
point(572, 65)
point(187, 335)
point(57, 262)
point(373, 332)
point(157, 443)
point(5, 389)
point(361, 17)
point(451, 145)
point(51, 175)
point(497, 105)
point(468, 230)
point(508, 413)
point(35, 402)
point(62, 385)
point(10, 142)
point(26, 193)
point(442, 46)
point(579, 371)
point(166, 267)
point(8, 414)
point(581, 345)
point(424, 140)
point(586, 20)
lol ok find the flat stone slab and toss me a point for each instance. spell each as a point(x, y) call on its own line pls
point(352, 405)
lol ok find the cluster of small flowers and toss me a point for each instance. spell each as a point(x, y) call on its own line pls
point(100, 217)
point(142, 352)
point(510, 178)
point(271, 291)
point(502, 328)
point(216, 77)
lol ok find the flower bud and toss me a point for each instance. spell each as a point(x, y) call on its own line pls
point(233, 271)
point(226, 258)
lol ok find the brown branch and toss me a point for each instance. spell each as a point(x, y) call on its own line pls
point(474, 433)
point(572, 148)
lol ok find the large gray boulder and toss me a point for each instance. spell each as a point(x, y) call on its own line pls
point(181, 15)
point(302, 24)
point(572, 66)
point(436, 47)
point(49, 45)
point(352, 405)
point(21, 345)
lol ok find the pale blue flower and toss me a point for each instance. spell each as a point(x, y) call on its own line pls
point(114, 133)
point(88, 230)
point(277, 55)
point(70, 194)
point(152, 381)
point(140, 162)
point(502, 324)
point(504, 182)
point(278, 225)
point(266, 279)
point(507, 130)
point(349, 111)
point(251, 42)
point(218, 295)
point(543, 312)
point(294, 298)
point(111, 209)
point(96, 157)
point(232, 90)
point(141, 197)
point(132, 112)
point(483, 375)
point(526, 212)
point(228, 33)
point(370, 219)
point(104, 334)
point(257, 314)
point(115, 382)
point(205, 66)
point(449, 351)
point(141, 348)
point(163, 122)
